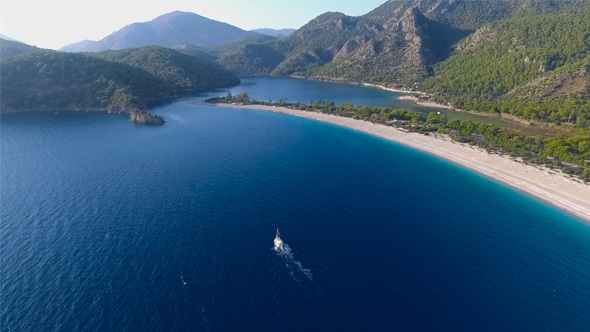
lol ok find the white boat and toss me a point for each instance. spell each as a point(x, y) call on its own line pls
point(278, 242)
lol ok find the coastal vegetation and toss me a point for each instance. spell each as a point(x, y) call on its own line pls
point(114, 81)
point(570, 155)
point(56, 80)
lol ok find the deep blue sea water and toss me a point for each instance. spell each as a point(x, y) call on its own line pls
point(107, 225)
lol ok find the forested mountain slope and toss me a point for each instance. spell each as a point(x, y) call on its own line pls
point(56, 80)
point(116, 81)
point(185, 72)
point(9, 48)
point(537, 67)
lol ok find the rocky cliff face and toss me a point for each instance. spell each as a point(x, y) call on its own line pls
point(320, 41)
point(400, 53)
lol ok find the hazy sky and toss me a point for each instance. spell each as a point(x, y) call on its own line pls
point(56, 23)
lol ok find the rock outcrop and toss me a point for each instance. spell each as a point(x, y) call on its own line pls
point(146, 117)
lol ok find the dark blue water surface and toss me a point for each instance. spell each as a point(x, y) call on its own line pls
point(107, 225)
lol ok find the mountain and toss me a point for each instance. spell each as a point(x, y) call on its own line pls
point(10, 48)
point(402, 52)
point(114, 81)
point(397, 43)
point(317, 42)
point(168, 30)
point(274, 32)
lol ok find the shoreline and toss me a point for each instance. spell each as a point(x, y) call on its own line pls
point(551, 186)
point(432, 104)
point(414, 99)
point(392, 89)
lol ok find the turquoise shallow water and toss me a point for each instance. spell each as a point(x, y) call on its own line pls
point(111, 225)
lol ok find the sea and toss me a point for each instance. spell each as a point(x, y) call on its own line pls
point(110, 225)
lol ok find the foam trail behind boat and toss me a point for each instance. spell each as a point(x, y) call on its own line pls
point(295, 268)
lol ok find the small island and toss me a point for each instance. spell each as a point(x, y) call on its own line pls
point(146, 117)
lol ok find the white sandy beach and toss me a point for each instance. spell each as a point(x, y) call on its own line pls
point(410, 97)
point(551, 186)
point(423, 103)
point(393, 89)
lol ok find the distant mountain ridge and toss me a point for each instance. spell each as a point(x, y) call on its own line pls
point(277, 33)
point(168, 30)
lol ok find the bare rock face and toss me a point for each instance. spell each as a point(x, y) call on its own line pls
point(351, 46)
point(400, 52)
point(146, 117)
point(414, 25)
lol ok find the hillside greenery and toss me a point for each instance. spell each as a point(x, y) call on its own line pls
point(253, 38)
point(10, 48)
point(392, 57)
point(388, 44)
point(473, 14)
point(56, 80)
point(201, 53)
point(506, 66)
point(117, 81)
point(184, 72)
point(251, 59)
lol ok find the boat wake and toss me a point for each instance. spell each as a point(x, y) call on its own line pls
point(295, 267)
point(175, 117)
